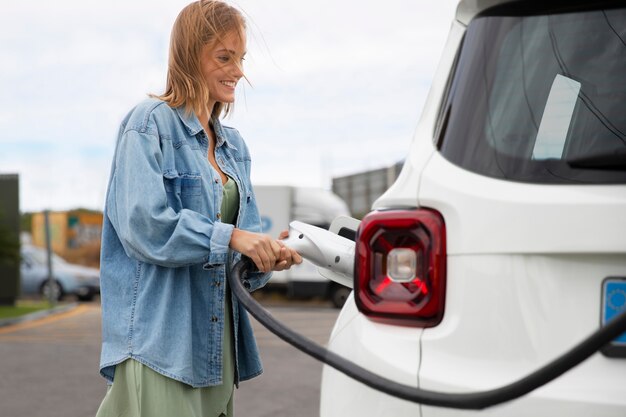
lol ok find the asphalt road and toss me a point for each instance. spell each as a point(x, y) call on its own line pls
point(50, 366)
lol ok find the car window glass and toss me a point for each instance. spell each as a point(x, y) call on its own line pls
point(533, 92)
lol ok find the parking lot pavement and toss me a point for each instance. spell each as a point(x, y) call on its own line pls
point(50, 366)
point(290, 383)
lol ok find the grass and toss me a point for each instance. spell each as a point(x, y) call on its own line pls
point(22, 307)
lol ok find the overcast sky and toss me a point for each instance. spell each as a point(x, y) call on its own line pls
point(336, 87)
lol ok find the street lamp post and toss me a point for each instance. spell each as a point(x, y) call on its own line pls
point(51, 284)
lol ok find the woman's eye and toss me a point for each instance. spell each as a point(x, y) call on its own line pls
point(223, 59)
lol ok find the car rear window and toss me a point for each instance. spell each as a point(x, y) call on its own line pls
point(540, 98)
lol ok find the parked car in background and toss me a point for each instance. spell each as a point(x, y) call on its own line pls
point(502, 244)
point(69, 279)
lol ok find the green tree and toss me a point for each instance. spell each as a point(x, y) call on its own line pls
point(9, 246)
point(26, 221)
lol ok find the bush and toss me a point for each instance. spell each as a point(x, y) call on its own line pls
point(9, 247)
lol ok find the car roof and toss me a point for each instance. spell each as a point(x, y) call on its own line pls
point(468, 9)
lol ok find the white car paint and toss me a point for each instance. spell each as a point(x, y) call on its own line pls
point(524, 272)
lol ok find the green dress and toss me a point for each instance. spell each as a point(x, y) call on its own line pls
point(139, 391)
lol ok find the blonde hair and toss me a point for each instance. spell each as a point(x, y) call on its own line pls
point(204, 22)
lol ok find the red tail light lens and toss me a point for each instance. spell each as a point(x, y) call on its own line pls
point(400, 270)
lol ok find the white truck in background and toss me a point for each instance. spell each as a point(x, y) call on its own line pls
point(281, 204)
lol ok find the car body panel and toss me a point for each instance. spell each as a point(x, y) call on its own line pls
point(480, 345)
point(468, 9)
point(522, 217)
point(386, 350)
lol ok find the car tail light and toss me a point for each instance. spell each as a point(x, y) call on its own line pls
point(400, 269)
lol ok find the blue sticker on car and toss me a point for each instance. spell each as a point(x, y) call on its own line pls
point(614, 303)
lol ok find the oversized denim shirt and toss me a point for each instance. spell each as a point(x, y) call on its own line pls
point(165, 251)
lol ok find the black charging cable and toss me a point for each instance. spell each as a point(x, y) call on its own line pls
point(469, 401)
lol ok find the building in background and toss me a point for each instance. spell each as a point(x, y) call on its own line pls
point(361, 189)
point(74, 235)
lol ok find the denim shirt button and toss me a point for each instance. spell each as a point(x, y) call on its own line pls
point(219, 216)
point(216, 180)
point(214, 319)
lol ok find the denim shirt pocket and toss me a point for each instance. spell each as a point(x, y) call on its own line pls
point(184, 190)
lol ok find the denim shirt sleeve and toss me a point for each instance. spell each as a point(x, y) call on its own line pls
point(258, 280)
point(148, 228)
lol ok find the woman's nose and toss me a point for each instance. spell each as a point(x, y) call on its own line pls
point(238, 71)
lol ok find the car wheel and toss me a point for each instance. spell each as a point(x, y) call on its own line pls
point(55, 289)
point(339, 294)
point(86, 297)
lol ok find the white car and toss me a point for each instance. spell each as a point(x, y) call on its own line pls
point(502, 244)
point(69, 279)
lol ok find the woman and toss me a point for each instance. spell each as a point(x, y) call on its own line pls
point(179, 212)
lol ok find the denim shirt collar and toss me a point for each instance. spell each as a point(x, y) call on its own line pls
point(193, 126)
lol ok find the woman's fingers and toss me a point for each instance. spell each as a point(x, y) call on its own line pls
point(276, 248)
point(281, 266)
point(261, 248)
point(297, 259)
point(286, 254)
point(257, 262)
point(288, 257)
point(265, 260)
point(266, 253)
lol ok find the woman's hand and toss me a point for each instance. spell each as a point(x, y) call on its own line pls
point(262, 249)
point(287, 256)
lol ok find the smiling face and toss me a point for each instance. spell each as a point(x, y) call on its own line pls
point(222, 67)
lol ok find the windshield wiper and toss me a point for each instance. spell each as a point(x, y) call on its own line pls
point(615, 161)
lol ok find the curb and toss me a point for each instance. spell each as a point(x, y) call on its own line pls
point(37, 314)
